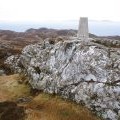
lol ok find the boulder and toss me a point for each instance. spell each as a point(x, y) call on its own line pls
point(85, 72)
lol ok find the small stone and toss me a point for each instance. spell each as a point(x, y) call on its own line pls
point(114, 42)
point(2, 72)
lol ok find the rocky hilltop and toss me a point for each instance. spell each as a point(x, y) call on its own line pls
point(12, 42)
point(85, 72)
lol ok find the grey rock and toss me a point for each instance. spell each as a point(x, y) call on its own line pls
point(80, 71)
point(2, 72)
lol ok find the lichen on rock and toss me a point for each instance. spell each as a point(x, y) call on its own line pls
point(84, 72)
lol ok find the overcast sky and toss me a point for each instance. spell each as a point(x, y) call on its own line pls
point(41, 10)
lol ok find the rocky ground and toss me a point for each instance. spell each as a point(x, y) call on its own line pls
point(58, 63)
point(19, 102)
point(12, 43)
point(83, 71)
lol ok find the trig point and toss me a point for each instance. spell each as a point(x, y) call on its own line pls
point(83, 28)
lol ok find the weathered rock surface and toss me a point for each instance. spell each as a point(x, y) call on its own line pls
point(87, 73)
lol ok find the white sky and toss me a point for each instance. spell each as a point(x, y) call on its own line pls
point(40, 10)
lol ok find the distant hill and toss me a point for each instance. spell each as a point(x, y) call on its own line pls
point(111, 37)
point(100, 28)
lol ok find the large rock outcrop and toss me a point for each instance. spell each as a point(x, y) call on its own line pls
point(84, 72)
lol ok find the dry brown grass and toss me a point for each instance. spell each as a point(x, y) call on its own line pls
point(10, 88)
point(42, 106)
point(47, 107)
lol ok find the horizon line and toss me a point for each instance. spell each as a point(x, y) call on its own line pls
point(41, 21)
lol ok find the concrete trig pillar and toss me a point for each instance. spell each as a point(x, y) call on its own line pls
point(83, 33)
